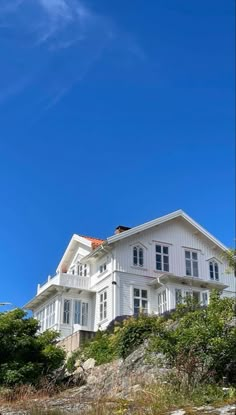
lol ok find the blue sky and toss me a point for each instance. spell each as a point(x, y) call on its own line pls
point(111, 112)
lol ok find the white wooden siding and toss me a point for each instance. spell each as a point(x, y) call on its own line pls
point(178, 235)
point(105, 283)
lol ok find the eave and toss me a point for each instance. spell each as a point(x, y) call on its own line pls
point(50, 292)
point(188, 281)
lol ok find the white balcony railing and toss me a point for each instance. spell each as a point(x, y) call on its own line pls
point(65, 280)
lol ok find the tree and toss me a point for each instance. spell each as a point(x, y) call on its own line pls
point(25, 355)
point(230, 257)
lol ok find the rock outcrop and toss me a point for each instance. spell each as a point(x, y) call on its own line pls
point(121, 380)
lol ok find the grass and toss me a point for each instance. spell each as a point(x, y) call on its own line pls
point(160, 398)
point(157, 399)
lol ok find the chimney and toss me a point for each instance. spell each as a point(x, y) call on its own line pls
point(120, 229)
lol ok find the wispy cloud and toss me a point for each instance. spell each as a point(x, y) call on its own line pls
point(54, 44)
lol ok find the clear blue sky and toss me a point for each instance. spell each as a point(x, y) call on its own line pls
point(111, 112)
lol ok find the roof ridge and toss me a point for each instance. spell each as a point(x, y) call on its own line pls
point(91, 237)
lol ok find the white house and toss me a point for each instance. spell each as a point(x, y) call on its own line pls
point(150, 267)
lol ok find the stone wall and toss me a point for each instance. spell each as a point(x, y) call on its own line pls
point(75, 340)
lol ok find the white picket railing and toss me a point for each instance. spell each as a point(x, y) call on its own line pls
point(65, 280)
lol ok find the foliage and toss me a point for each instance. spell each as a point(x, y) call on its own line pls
point(99, 348)
point(202, 343)
point(107, 346)
point(133, 332)
point(198, 341)
point(230, 257)
point(25, 355)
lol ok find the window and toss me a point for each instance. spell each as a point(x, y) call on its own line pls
point(137, 256)
point(103, 305)
point(191, 262)
point(82, 270)
point(214, 270)
point(50, 315)
point(192, 295)
point(40, 317)
point(205, 298)
point(162, 302)
point(66, 311)
point(140, 301)
point(80, 313)
point(178, 296)
point(102, 268)
point(77, 305)
point(84, 320)
point(162, 258)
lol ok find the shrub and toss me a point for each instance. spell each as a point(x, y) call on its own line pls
point(202, 342)
point(25, 355)
point(134, 331)
point(99, 348)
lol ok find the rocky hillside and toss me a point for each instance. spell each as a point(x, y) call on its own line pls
point(121, 387)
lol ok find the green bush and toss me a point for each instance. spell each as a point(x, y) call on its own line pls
point(198, 341)
point(134, 331)
point(202, 341)
point(100, 348)
point(25, 355)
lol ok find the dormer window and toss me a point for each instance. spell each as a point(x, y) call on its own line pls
point(137, 256)
point(103, 268)
point(82, 270)
point(214, 270)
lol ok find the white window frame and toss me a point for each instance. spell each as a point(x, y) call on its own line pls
point(165, 266)
point(205, 298)
point(178, 296)
point(49, 315)
point(191, 261)
point(82, 270)
point(162, 301)
point(84, 314)
point(81, 312)
point(190, 294)
point(103, 305)
point(214, 274)
point(40, 316)
point(66, 312)
point(138, 256)
point(140, 299)
point(77, 311)
point(102, 267)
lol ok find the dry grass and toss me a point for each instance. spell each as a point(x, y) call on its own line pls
point(25, 393)
point(157, 399)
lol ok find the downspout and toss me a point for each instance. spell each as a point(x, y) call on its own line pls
point(114, 288)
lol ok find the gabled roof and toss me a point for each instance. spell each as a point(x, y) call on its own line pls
point(97, 245)
point(95, 241)
point(174, 215)
point(90, 242)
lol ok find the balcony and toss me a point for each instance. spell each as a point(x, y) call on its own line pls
point(65, 280)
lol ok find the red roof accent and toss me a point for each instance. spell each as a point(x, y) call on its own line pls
point(96, 242)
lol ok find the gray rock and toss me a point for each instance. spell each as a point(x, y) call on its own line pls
point(89, 364)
